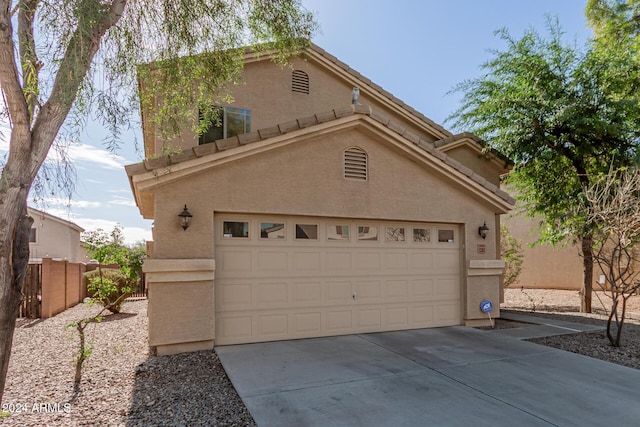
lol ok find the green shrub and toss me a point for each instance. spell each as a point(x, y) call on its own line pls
point(110, 287)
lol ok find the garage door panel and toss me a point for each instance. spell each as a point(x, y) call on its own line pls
point(368, 291)
point(422, 261)
point(339, 291)
point(306, 261)
point(273, 289)
point(447, 262)
point(446, 287)
point(368, 319)
point(307, 293)
point(395, 261)
point(307, 323)
point(396, 289)
point(272, 262)
point(235, 261)
point(444, 312)
point(272, 293)
point(338, 261)
point(397, 317)
point(273, 324)
point(235, 328)
point(366, 261)
point(339, 321)
point(422, 316)
point(234, 295)
point(421, 288)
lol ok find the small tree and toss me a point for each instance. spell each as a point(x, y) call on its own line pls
point(109, 248)
point(511, 254)
point(615, 221)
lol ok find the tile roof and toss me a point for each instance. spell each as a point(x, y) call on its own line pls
point(316, 119)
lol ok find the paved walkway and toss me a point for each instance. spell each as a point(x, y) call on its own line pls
point(453, 376)
point(542, 327)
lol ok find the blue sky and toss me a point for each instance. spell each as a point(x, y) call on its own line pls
point(416, 49)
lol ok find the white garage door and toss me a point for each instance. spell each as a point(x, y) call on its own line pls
point(281, 277)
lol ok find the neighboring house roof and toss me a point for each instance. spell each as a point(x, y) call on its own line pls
point(42, 214)
point(146, 175)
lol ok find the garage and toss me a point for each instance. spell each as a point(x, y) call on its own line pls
point(285, 277)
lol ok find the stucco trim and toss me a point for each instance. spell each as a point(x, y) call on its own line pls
point(486, 267)
point(196, 267)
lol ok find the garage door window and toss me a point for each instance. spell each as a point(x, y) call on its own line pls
point(271, 230)
point(445, 236)
point(338, 232)
point(421, 235)
point(235, 229)
point(307, 231)
point(367, 233)
point(395, 234)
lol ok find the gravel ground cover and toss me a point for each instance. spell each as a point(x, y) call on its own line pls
point(124, 385)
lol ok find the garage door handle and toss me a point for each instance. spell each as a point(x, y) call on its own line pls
point(355, 294)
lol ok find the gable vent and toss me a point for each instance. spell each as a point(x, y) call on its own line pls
point(355, 164)
point(300, 82)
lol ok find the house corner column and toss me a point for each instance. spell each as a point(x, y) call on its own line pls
point(181, 304)
point(483, 283)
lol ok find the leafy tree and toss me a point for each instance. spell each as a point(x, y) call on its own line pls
point(60, 60)
point(614, 203)
point(615, 20)
point(563, 114)
point(107, 286)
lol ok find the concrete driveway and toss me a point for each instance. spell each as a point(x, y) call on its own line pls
point(453, 376)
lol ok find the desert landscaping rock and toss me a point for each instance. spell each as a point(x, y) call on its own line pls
point(124, 385)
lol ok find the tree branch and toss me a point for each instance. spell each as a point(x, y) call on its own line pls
point(30, 64)
point(75, 65)
point(9, 75)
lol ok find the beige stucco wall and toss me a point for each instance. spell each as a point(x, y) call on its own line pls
point(55, 239)
point(546, 266)
point(266, 91)
point(306, 178)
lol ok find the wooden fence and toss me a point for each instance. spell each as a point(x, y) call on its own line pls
point(32, 292)
point(53, 286)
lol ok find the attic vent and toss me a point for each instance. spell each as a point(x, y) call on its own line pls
point(355, 164)
point(300, 82)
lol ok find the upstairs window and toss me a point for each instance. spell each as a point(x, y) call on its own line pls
point(230, 122)
point(300, 82)
point(355, 164)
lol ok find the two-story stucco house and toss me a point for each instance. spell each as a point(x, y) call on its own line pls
point(317, 212)
point(54, 237)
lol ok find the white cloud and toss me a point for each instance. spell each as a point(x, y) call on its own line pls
point(79, 153)
point(122, 201)
point(57, 203)
point(84, 153)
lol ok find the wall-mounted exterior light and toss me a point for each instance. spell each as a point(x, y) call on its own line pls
point(185, 218)
point(483, 230)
